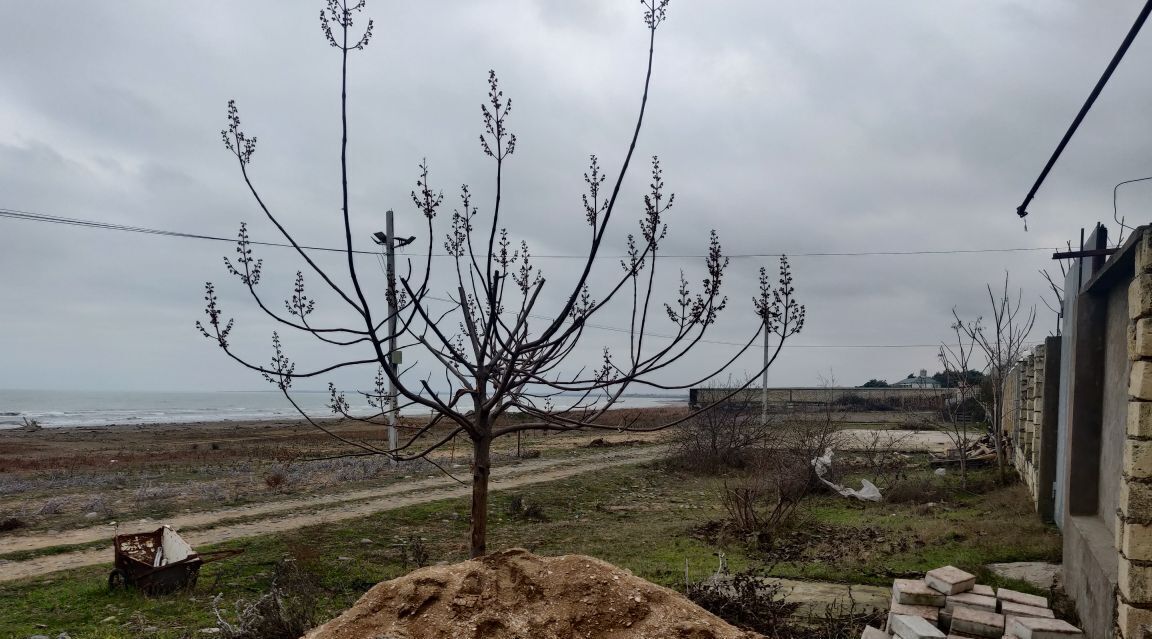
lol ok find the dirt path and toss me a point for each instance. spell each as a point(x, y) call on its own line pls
point(319, 509)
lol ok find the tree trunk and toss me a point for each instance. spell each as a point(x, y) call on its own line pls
point(997, 436)
point(963, 469)
point(481, 467)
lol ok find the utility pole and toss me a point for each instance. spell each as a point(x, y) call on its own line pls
point(764, 380)
point(388, 240)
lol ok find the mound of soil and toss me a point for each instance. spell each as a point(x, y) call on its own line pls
point(517, 595)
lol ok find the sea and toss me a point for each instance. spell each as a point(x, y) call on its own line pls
point(104, 408)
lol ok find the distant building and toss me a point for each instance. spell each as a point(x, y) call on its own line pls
point(923, 381)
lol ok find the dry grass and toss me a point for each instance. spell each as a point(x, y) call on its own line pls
point(55, 477)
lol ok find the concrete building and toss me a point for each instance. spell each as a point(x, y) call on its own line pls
point(921, 381)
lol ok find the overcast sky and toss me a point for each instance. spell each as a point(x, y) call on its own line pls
point(788, 126)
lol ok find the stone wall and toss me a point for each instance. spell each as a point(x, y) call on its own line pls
point(1134, 516)
point(1024, 416)
point(1027, 413)
point(913, 398)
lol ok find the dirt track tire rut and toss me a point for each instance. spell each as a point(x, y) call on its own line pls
point(211, 527)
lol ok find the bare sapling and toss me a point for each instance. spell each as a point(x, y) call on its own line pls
point(478, 343)
point(955, 408)
point(1002, 340)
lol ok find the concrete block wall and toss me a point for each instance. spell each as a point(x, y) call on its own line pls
point(1134, 523)
point(1036, 364)
point(1023, 416)
point(1010, 416)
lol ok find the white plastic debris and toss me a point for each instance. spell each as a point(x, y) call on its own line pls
point(940, 472)
point(867, 492)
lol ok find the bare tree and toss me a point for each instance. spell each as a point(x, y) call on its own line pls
point(490, 351)
point(1057, 292)
point(806, 435)
point(956, 359)
point(1002, 340)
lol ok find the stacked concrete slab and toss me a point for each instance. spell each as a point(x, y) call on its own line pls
point(948, 604)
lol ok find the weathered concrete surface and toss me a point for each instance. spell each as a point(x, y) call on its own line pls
point(1023, 598)
point(1114, 409)
point(815, 596)
point(977, 623)
point(1041, 574)
point(912, 627)
point(914, 592)
point(1091, 550)
point(950, 580)
point(919, 441)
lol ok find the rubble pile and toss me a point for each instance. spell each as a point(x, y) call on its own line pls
point(948, 603)
point(978, 451)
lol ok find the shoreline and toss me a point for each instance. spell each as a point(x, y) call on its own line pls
point(152, 415)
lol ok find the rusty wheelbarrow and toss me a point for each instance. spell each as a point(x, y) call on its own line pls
point(158, 562)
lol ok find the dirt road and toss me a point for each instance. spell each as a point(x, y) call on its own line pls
point(211, 527)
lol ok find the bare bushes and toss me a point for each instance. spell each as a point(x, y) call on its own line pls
point(286, 611)
point(214, 492)
point(12, 523)
point(801, 441)
point(521, 508)
point(149, 494)
point(725, 436)
point(57, 480)
point(97, 504)
point(753, 602)
point(762, 502)
point(296, 472)
point(744, 599)
point(875, 455)
point(413, 551)
point(275, 479)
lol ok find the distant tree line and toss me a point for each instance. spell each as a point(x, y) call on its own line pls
point(947, 379)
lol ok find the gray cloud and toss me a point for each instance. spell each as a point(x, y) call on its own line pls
point(790, 126)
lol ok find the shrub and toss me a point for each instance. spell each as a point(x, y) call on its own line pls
point(51, 507)
point(744, 599)
point(747, 600)
point(413, 551)
point(760, 504)
point(97, 505)
point(213, 492)
point(148, 493)
point(856, 402)
point(722, 437)
point(917, 490)
point(275, 479)
point(520, 508)
point(286, 611)
point(12, 523)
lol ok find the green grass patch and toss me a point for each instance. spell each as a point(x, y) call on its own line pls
point(641, 517)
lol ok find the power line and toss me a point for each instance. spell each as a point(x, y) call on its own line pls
point(54, 219)
point(617, 329)
point(110, 226)
point(28, 216)
point(1022, 210)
